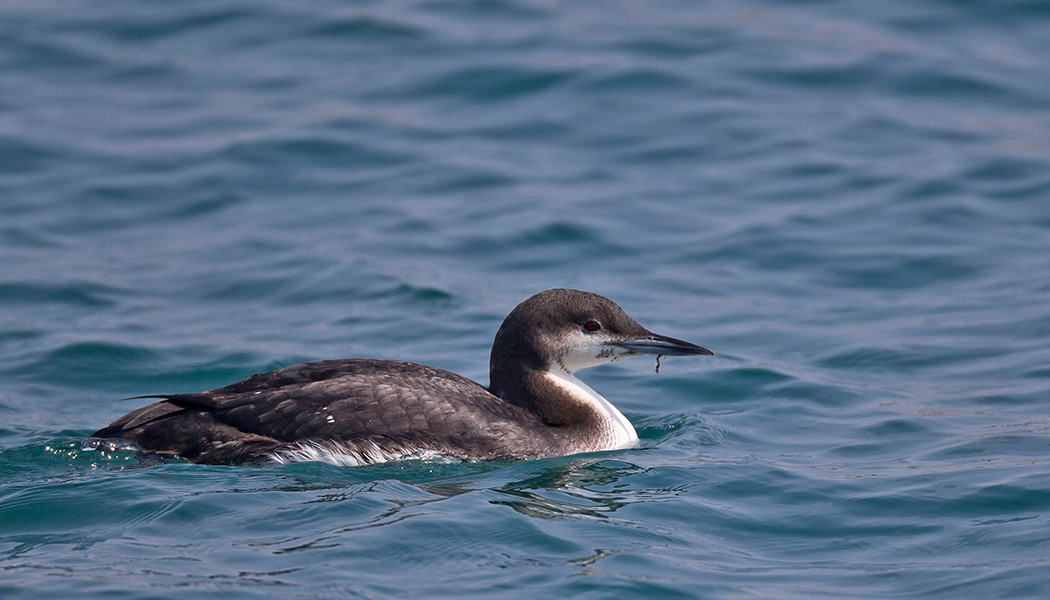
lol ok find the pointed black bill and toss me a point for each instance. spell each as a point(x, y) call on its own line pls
point(663, 346)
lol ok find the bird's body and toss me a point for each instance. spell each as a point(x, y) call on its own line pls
point(360, 411)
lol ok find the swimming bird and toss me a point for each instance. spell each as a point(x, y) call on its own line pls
point(359, 411)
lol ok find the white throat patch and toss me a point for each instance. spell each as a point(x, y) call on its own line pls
point(583, 353)
point(619, 433)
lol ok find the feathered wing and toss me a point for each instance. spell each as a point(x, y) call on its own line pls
point(353, 405)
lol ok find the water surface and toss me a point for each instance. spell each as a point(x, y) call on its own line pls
point(849, 202)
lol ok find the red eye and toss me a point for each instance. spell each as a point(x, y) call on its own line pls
point(592, 326)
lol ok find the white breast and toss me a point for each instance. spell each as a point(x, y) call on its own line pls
point(619, 433)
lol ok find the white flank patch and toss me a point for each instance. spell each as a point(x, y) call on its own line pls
point(619, 431)
point(347, 454)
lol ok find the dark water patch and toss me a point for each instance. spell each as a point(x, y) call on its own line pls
point(1042, 373)
point(897, 427)
point(1003, 499)
point(50, 56)
point(443, 181)
point(636, 81)
point(34, 294)
point(203, 375)
point(855, 451)
point(205, 207)
point(140, 74)
point(26, 237)
point(88, 357)
point(339, 287)
point(999, 397)
point(1027, 189)
point(20, 156)
point(491, 10)
point(492, 84)
point(899, 359)
point(423, 295)
point(939, 83)
point(190, 194)
point(531, 130)
point(770, 250)
point(44, 515)
point(665, 154)
point(315, 152)
point(427, 300)
point(993, 444)
point(540, 244)
point(853, 76)
point(982, 506)
point(154, 25)
point(902, 273)
point(666, 427)
point(672, 44)
point(1006, 170)
point(942, 209)
point(826, 392)
point(692, 436)
point(108, 207)
point(743, 383)
point(247, 289)
point(560, 233)
point(374, 29)
point(133, 370)
point(54, 458)
point(877, 438)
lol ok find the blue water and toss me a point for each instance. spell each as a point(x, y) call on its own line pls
point(849, 202)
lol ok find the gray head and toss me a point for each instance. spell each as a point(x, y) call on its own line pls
point(572, 330)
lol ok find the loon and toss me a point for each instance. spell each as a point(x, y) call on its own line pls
point(352, 412)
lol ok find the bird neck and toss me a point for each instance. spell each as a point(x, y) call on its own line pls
point(562, 401)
